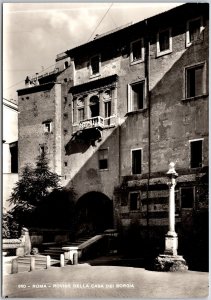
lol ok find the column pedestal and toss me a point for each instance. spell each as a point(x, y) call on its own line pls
point(171, 243)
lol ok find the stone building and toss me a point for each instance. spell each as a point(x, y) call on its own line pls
point(116, 111)
point(10, 149)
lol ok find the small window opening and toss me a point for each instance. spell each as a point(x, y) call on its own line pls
point(134, 201)
point(136, 49)
point(42, 149)
point(187, 197)
point(47, 127)
point(103, 159)
point(95, 65)
point(196, 154)
point(136, 161)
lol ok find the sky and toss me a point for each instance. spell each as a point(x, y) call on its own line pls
point(34, 33)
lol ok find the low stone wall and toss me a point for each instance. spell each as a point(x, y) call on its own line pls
point(21, 246)
point(41, 236)
point(8, 245)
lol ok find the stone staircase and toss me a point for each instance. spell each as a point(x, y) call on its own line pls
point(55, 251)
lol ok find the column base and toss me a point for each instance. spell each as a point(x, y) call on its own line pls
point(171, 243)
point(170, 263)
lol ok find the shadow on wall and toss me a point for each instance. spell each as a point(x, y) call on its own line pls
point(56, 212)
point(82, 140)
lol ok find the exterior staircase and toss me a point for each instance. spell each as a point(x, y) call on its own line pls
point(55, 251)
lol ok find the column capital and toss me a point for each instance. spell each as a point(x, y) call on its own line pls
point(171, 172)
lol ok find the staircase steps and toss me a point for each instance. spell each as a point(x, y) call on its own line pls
point(81, 243)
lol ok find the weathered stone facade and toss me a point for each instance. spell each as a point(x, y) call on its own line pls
point(114, 103)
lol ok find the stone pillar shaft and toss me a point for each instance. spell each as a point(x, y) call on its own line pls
point(172, 206)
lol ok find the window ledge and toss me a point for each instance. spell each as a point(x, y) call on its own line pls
point(196, 168)
point(195, 98)
point(102, 170)
point(135, 62)
point(95, 75)
point(129, 113)
point(163, 53)
point(196, 42)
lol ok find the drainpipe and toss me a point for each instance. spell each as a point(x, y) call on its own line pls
point(148, 97)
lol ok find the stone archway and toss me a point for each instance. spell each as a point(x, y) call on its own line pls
point(94, 212)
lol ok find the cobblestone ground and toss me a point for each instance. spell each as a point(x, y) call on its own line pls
point(104, 282)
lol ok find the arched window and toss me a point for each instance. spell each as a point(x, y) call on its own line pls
point(94, 106)
point(66, 64)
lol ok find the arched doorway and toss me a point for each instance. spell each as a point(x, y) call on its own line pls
point(94, 213)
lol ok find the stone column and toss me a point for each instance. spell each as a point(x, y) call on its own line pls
point(170, 261)
point(171, 240)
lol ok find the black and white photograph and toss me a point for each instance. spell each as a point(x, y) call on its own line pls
point(105, 150)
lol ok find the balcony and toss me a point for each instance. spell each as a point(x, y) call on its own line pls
point(97, 122)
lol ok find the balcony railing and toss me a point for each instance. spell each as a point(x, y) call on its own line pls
point(96, 122)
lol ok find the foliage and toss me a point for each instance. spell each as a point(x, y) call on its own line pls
point(33, 188)
point(9, 227)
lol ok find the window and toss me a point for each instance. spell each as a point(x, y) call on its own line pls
point(107, 105)
point(103, 159)
point(134, 200)
point(47, 126)
point(80, 107)
point(95, 65)
point(43, 149)
point(94, 106)
point(136, 161)
point(80, 114)
point(164, 42)
point(187, 197)
point(193, 32)
point(136, 51)
point(66, 64)
point(196, 154)
point(14, 157)
point(136, 96)
point(195, 81)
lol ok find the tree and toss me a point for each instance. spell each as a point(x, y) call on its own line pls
point(32, 189)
